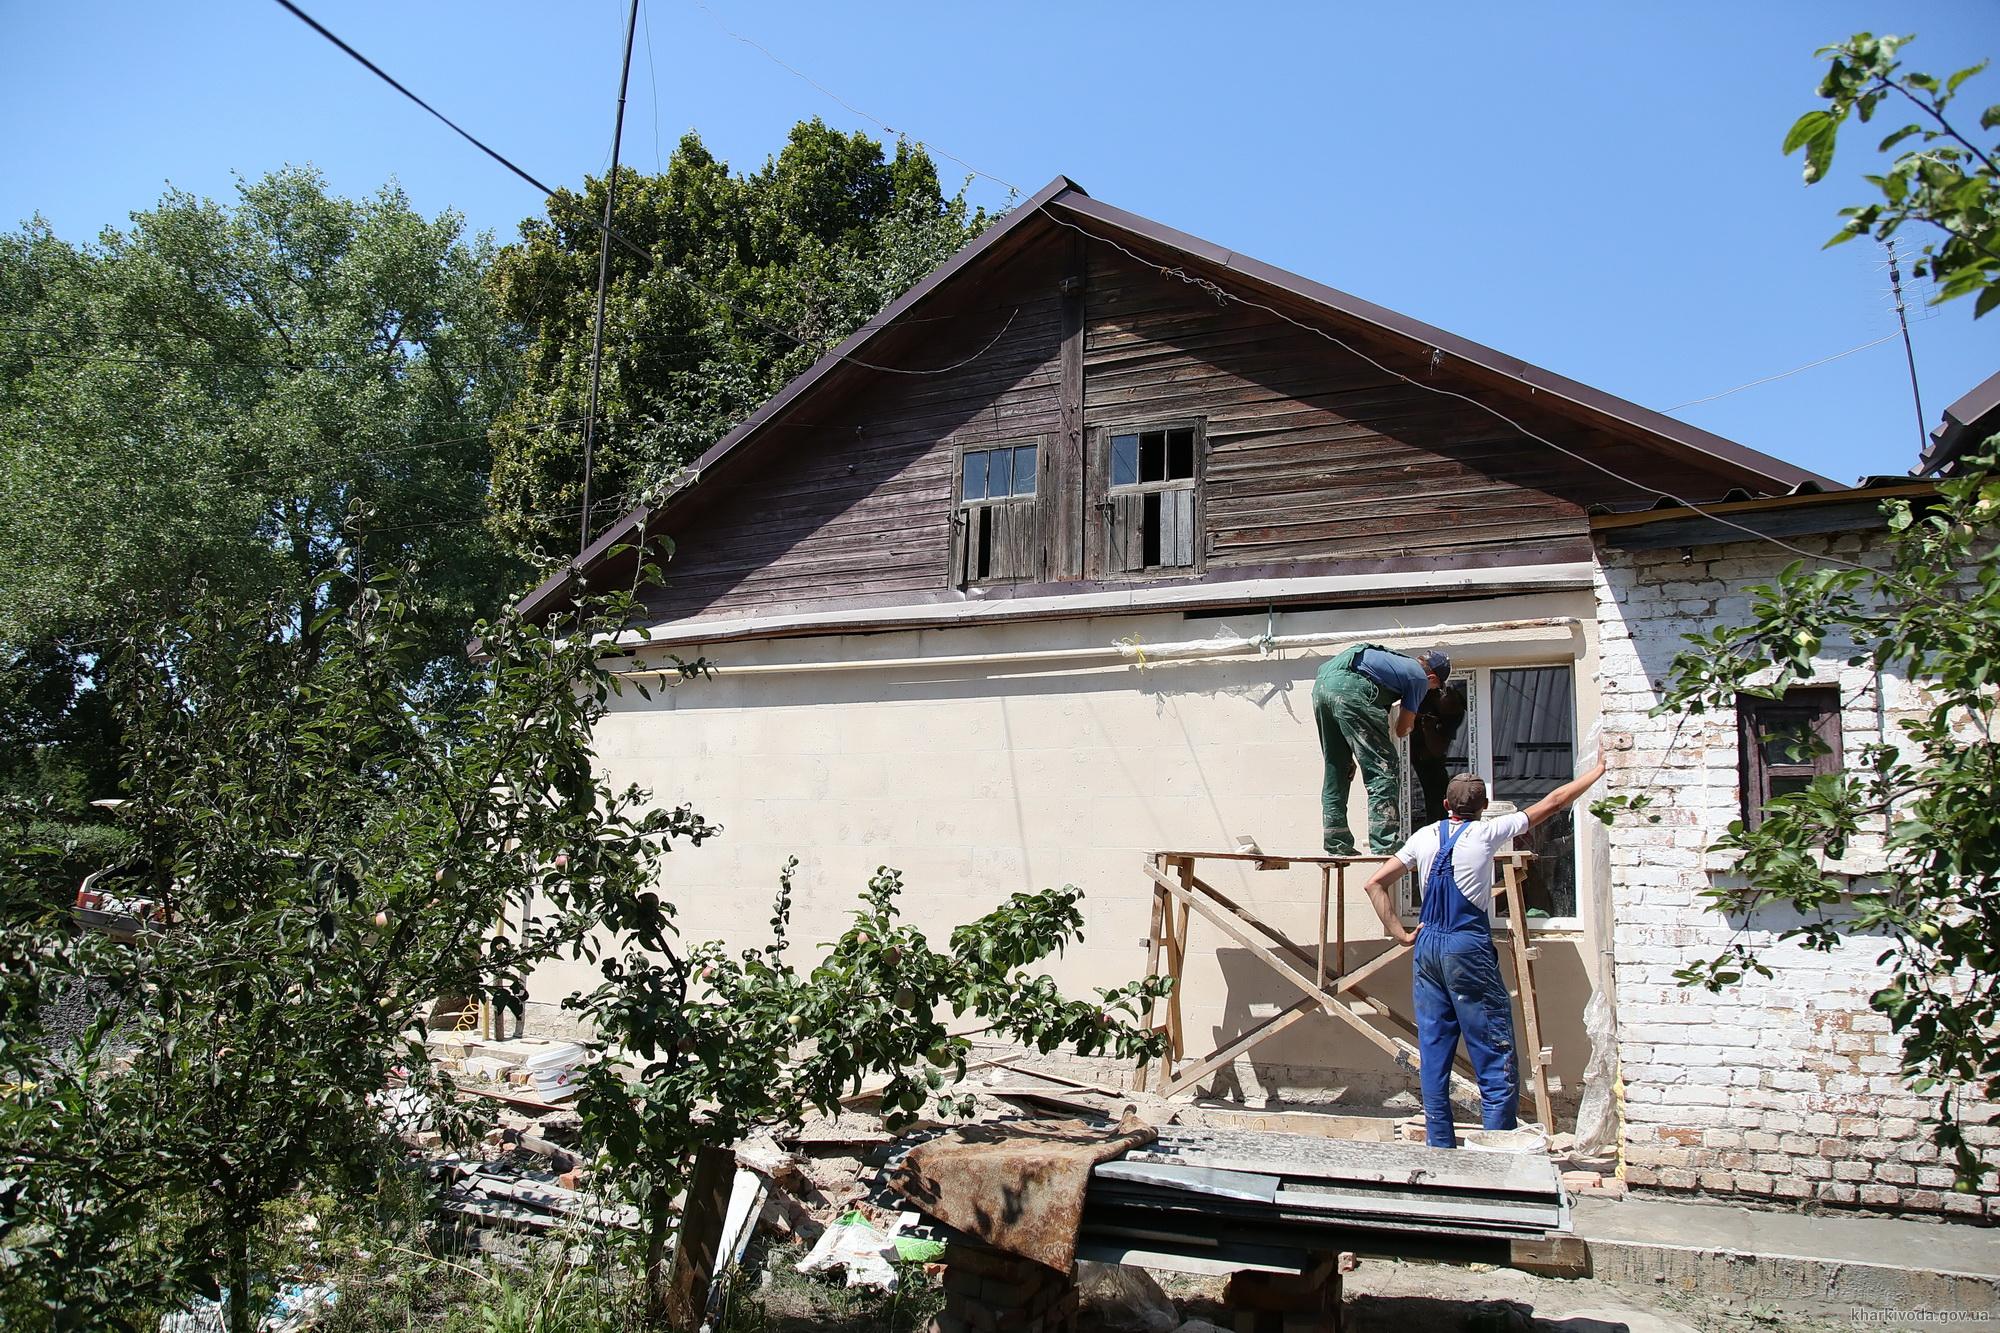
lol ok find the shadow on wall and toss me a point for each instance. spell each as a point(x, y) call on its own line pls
point(1323, 1059)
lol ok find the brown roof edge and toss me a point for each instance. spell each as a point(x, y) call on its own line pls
point(1595, 401)
point(634, 520)
point(1873, 488)
point(1967, 423)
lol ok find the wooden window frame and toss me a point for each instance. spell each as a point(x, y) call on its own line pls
point(1820, 705)
point(1098, 536)
point(1479, 737)
point(1036, 559)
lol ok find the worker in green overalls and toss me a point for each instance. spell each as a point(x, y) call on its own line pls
point(1352, 698)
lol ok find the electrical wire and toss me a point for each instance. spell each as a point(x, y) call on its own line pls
point(1889, 337)
point(1166, 270)
point(645, 256)
point(1222, 295)
point(390, 79)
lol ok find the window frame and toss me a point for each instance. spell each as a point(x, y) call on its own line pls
point(1032, 503)
point(1101, 493)
point(1820, 704)
point(1479, 750)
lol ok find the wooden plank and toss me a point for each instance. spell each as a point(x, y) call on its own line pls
point(1175, 1032)
point(1182, 550)
point(700, 1237)
point(1252, 1037)
point(1325, 892)
point(1552, 1256)
point(1064, 501)
point(1340, 919)
point(1153, 952)
point(1307, 1156)
point(1524, 976)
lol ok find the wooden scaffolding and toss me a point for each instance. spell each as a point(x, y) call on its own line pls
point(1179, 895)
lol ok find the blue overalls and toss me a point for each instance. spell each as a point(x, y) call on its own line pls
point(1459, 990)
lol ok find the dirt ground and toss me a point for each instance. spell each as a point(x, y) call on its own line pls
point(1385, 1296)
point(1380, 1297)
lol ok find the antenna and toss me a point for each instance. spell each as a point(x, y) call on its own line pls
point(603, 274)
point(1909, 351)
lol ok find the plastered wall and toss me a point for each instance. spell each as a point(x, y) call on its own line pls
point(984, 778)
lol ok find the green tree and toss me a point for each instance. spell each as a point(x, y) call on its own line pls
point(331, 849)
point(1928, 611)
point(199, 399)
point(1942, 178)
point(1931, 615)
point(744, 282)
point(709, 1046)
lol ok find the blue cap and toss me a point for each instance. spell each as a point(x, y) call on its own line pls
point(1437, 664)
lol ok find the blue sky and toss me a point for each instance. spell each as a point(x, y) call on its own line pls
point(1592, 187)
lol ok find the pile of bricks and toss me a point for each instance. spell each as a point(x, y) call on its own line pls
point(989, 1291)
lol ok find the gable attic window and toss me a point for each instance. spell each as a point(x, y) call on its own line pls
point(1152, 502)
point(1785, 744)
point(1000, 531)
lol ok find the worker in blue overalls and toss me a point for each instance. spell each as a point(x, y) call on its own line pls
point(1455, 968)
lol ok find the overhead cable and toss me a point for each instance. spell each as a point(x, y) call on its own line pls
point(1887, 337)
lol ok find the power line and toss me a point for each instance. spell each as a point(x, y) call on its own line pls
point(1781, 374)
point(390, 79)
point(646, 257)
point(1222, 295)
point(604, 277)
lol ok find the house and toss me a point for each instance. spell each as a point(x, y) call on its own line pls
point(1029, 579)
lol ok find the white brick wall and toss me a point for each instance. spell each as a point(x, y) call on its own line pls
point(1784, 1088)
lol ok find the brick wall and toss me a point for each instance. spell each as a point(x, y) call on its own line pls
point(1787, 1088)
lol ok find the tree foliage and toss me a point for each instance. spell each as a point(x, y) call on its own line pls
point(1930, 615)
point(325, 848)
point(1942, 176)
point(710, 1045)
point(745, 281)
point(329, 851)
point(200, 398)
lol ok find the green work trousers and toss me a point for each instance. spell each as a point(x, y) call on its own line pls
point(1353, 716)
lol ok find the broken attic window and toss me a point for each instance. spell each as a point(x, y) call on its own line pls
point(999, 523)
point(1150, 499)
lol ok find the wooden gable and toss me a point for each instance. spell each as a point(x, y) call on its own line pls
point(1322, 442)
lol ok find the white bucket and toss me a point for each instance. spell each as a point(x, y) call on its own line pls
point(1526, 1139)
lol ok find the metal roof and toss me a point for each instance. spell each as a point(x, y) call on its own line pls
point(1968, 423)
point(1061, 196)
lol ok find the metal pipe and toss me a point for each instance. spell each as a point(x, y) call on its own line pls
point(1139, 653)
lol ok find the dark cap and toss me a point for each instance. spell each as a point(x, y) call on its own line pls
point(1435, 662)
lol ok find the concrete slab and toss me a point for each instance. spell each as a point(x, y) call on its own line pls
point(1863, 1268)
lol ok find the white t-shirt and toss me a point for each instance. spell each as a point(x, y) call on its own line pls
point(1471, 856)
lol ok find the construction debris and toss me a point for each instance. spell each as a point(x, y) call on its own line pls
point(1019, 1185)
point(866, 1253)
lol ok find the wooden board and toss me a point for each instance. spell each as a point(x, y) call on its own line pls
point(1309, 1157)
